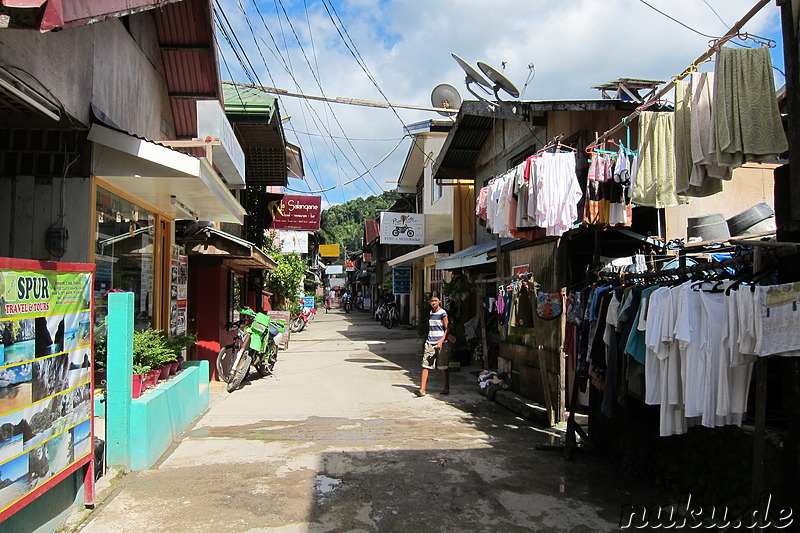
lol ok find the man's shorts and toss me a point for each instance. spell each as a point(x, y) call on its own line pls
point(433, 357)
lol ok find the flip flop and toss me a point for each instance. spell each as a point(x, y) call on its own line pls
point(419, 393)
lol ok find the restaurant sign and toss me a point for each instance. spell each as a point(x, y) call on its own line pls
point(297, 212)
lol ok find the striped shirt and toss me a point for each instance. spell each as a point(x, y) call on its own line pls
point(436, 326)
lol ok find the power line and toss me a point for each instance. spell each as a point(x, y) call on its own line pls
point(715, 12)
point(384, 158)
point(678, 21)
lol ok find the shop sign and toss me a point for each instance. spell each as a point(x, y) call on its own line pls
point(45, 377)
point(401, 280)
point(368, 257)
point(335, 281)
point(333, 269)
point(308, 301)
point(329, 250)
point(298, 212)
point(402, 228)
point(350, 266)
point(293, 242)
point(519, 270)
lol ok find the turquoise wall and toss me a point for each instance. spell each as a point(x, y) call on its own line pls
point(159, 417)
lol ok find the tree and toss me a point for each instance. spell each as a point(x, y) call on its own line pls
point(344, 223)
point(284, 281)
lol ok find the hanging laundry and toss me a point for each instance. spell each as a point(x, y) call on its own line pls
point(655, 180)
point(747, 121)
point(685, 168)
point(703, 138)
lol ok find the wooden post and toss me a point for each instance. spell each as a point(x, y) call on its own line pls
point(484, 341)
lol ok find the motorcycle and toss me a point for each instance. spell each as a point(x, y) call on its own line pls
point(347, 304)
point(300, 322)
point(256, 346)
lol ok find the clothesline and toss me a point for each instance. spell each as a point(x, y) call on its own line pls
point(731, 33)
point(780, 249)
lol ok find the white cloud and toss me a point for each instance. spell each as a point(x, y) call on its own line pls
point(406, 46)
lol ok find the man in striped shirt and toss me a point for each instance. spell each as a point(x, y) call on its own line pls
point(434, 356)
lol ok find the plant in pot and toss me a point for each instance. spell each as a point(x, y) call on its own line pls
point(150, 349)
point(179, 344)
point(139, 373)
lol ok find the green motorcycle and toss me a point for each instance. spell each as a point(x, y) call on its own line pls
point(256, 344)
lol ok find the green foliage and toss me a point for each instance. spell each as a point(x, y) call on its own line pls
point(100, 345)
point(344, 223)
point(140, 370)
point(150, 348)
point(180, 341)
point(284, 281)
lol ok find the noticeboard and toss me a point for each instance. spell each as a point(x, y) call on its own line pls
point(46, 359)
point(401, 280)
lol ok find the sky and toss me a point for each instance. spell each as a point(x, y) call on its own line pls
point(398, 51)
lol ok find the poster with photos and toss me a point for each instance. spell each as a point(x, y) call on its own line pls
point(46, 360)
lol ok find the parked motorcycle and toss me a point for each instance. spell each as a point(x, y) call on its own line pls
point(256, 345)
point(300, 322)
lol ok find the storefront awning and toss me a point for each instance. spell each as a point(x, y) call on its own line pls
point(174, 183)
point(411, 256)
point(472, 256)
point(234, 251)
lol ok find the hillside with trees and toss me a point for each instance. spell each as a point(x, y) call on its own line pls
point(344, 223)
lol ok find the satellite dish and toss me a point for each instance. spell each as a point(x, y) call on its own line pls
point(447, 97)
point(472, 74)
point(500, 81)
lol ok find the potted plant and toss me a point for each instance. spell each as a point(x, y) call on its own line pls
point(139, 373)
point(179, 343)
point(150, 349)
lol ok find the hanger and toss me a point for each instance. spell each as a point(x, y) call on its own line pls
point(658, 103)
point(716, 44)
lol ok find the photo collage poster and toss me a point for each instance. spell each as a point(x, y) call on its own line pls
point(179, 281)
point(45, 377)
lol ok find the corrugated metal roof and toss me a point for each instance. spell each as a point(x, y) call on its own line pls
point(248, 102)
point(256, 120)
point(371, 229)
point(185, 36)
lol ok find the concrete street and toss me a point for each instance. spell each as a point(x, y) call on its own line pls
point(337, 441)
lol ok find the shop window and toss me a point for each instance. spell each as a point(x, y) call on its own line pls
point(124, 254)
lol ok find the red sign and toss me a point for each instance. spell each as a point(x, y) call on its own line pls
point(350, 266)
point(298, 212)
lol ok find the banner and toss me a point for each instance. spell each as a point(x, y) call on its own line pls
point(45, 376)
point(401, 280)
point(293, 241)
point(308, 301)
point(402, 228)
point(297, 212)
point(333, 269)
point(335, 281)
point(329, 250)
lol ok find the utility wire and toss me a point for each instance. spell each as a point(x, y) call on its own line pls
point(289, 71)
point(678, 21)
point(384, 158)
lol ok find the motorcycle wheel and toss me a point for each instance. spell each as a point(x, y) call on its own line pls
point(240, 372)
point(224, 361)
point(261, 365)
point(297, 325)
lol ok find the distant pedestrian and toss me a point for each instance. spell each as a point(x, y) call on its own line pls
point(435, 354)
